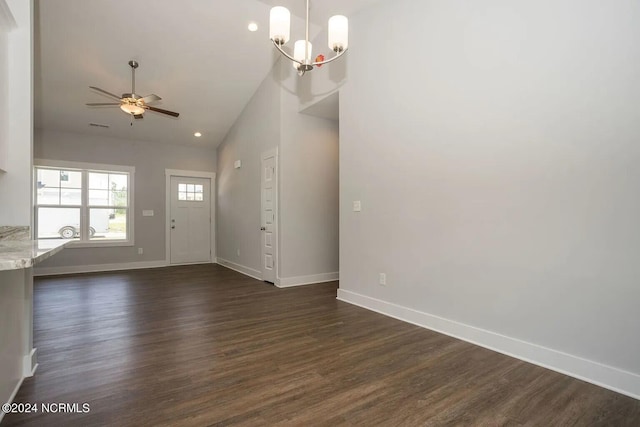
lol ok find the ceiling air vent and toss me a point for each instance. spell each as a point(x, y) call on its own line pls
point(98, 125)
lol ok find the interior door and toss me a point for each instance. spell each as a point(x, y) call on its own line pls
point(190, 221)
point(269, 206)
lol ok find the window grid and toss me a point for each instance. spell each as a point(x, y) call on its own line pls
point(102, 221)
point(190, 192)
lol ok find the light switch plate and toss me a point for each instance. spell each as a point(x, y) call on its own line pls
point(147, 213)
point(237, 164)
point(357, 206)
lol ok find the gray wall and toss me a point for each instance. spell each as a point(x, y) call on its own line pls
point(4, 95)
point(150, 160)
point(309, 183)
point(494, 147)
point(238, 211)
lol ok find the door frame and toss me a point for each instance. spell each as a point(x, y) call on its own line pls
point(168, 173)
point(276, 266)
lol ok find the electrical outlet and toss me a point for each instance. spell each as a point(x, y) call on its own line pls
point(238, 251)
point(383, 279)
point(140, 251)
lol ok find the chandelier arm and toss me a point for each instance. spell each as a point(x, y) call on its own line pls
point(285, 53)
point(330, 59)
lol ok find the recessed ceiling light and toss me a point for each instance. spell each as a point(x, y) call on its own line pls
point(253, 27)
point(197, 134)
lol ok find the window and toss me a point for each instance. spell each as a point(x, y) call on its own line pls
point(91, 204)
point(190, 192)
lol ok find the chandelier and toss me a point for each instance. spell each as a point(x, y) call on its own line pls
point(280, 29)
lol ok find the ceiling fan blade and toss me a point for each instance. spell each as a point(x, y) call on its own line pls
point(159, 110)
point(99, 104)
point(104, 92)
point(138, 116)
point(150, 98)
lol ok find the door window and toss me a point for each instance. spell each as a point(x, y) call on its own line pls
point(190, 192)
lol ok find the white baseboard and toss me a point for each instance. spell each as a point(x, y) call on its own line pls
point(29, 366)
point(74, 269)
point(240, 268)
point(611, 378)
point(188, 263)
point(13, 396)
point(287, 282)
point(30, 363)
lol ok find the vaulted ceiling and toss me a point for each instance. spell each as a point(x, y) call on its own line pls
point(196, 54)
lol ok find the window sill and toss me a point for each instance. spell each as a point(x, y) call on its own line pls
point(112, 244)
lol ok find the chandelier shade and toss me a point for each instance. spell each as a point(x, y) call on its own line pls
point(132, 109)
point(338, 33)
point(301, 52)
point(280, 24)
point(280, 33)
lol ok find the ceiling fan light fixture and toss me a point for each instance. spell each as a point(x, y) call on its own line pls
point(132, 109)
point(132, 103)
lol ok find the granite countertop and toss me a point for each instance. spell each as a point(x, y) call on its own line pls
point(17, 254)
point(13, 232)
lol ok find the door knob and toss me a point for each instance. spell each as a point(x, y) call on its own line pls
point(263, 228)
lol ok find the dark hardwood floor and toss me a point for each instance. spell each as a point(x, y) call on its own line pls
point(204, 345)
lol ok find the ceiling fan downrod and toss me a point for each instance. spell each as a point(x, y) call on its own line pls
point(133, 64)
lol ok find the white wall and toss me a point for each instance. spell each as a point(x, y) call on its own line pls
point(15, 194)
point(238, 222)
point(18, 124)
point(12, 318)
point(150, 160)
point(494, 147)
point(309, 184)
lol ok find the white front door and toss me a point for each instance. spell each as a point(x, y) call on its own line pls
point(269, 206)
point(190, 220)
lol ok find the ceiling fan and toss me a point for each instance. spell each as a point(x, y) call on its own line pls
point(132, 103)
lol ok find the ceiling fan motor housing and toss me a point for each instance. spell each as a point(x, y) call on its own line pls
point(131, 96)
